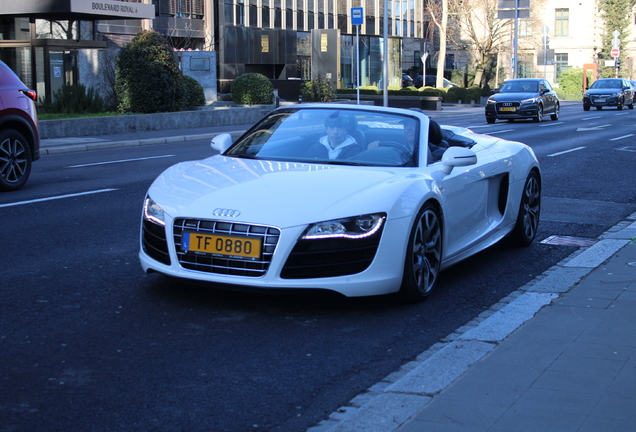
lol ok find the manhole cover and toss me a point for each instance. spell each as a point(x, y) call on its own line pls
point(568, 241)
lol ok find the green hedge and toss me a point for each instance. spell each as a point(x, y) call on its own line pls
point(148, 78)
point(252, 89)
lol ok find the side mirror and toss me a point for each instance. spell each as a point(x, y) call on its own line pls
point(493, 91)
point(221, 142)
point(456, 157)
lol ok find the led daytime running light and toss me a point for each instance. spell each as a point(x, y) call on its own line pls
point(369, 233)
point(152, 212)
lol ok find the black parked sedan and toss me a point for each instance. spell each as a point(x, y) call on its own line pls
point(606, 92)
point(521, 99)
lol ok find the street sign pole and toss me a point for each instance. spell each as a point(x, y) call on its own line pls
point(514, 56)
point(385, 44)
point(357, 18)
point(616, 52)
point(358, 62)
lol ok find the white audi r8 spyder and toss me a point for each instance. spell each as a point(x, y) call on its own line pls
point(359, 200)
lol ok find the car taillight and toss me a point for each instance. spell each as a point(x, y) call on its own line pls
point(31, 94)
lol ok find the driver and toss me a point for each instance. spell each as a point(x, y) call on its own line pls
point(337, 143)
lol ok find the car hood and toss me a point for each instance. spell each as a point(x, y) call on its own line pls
point(513, 97)
point(279, 193)
point(600, 91)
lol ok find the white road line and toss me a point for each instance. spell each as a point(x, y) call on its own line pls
point(119, 161)
point(56, 197)
point(566, 151)
point(621, 137)
point(591, 118)
point(551, 124)
point(623, 113)
point(501, 131)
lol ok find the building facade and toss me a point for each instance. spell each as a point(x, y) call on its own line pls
point(54, 43)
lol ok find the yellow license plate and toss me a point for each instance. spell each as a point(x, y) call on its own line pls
point(222, 245)
point(508, 109)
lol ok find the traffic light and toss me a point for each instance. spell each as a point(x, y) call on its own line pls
point(618, 63)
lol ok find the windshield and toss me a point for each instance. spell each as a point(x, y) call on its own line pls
point(607, 83)
point(333, 136)
point(519, 87)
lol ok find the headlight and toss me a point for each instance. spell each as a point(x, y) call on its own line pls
point(491, 101)
point(352, 228)
point(153, 212)
point(616, 95)
point(529, 101)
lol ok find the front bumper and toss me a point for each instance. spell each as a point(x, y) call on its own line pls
point(382, 276)
point(514, 110)
point(601, 100)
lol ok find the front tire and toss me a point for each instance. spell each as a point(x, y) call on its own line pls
point(423, 255)
point(539, 116)
point(525, 229)
point(490, 120)
point(15, 160)
point(555, 116)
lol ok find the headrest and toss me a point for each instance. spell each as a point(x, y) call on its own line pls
point(434, 133)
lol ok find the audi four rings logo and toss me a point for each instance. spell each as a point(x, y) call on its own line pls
point(507, 104)
point(226, 212)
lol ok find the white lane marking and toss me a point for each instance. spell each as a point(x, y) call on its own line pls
point(621, 137)
point(591, 118)
point(56, 197)
point(119, 161)
point(566, 151)
point(501, 131)
point(551, 124)
point(593, 128)
point(623, 113)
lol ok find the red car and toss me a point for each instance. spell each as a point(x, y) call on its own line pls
point(19, 131)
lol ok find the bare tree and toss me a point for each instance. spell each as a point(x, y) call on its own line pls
point(189, 38)
point(483, 33)
point(438, 13)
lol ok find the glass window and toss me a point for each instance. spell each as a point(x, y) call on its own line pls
point(64, 29)
point(253, 16)
point(289, 19)
point(240, 12)
point(300, 20)
point(562, 22)
point(560, 63)
point(14, 29)
point(229, 16)
point(265, 16)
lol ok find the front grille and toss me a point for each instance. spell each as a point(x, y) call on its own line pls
point(330, 257)
point(154, 242)
point(223, 265)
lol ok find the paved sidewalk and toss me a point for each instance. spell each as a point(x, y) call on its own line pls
point(557, 355)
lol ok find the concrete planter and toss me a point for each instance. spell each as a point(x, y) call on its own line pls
point(223, 116)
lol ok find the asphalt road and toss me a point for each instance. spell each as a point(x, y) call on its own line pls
point(90, 342)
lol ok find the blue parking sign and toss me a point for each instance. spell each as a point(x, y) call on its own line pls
point(357, 16)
